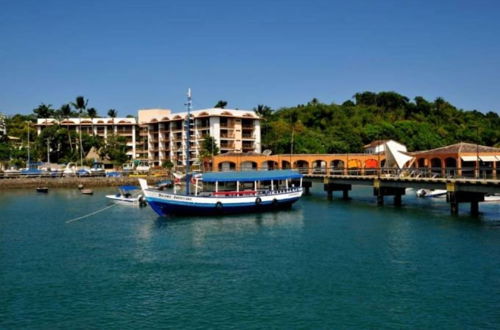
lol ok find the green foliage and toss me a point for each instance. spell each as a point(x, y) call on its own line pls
point(419, 124)
point(115, 149)
point(209, 147)
point(220, 104)
point(167, 164)
point(112, 113)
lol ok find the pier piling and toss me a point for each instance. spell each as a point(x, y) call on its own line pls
point(330, 187)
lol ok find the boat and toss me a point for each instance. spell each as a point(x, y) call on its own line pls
point(492, 198)
point(229, 192)
point(128, 195)
point(42, 189)
point(97, 169)
point(87, 191)
point(223, 192)
point(70, 170)
point(428, 193)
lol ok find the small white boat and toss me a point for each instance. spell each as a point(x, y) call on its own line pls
point(127, 195)
point(492, 198)
point(428, 193)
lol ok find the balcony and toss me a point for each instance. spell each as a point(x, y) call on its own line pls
point(227, 146)
point(247, 136)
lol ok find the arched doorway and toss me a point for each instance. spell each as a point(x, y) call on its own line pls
point(337, 167)
point(436, 167)
point(227, 166)
point(319, 167)
point(285, 164)
point(354, 166)
point(248, 166)
point(269, 165)
point(450, 165)
point(371, 166)
point(302, 166)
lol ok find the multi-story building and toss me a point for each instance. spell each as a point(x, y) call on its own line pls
point(160, 135)
point(3, 127)
point(233, 131)
point(103, 127)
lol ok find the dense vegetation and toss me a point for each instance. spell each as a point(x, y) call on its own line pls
point(420, 124)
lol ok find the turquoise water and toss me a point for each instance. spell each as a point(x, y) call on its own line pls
point(323, 264)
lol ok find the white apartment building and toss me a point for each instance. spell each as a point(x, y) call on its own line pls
point(160, 135)
point(103, 127)
point(3, 127)
point(233, 130)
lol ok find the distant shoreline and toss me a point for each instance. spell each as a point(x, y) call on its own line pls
point(70, 182)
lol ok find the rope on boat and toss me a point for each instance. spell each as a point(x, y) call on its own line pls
point(90, 214)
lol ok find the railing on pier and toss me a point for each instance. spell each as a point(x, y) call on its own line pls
point(427, 172)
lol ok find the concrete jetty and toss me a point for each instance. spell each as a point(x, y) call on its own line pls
point(71, 182)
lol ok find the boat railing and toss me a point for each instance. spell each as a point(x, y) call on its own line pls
point(247, 193)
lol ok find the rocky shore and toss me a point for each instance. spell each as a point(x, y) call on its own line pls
point(71, 182)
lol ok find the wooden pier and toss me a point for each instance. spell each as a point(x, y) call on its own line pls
point(459, 190)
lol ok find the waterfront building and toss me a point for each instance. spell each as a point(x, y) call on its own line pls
point(234, 131)
point(158, 135)
point(381, 146)
point(3, 127)
point(460, 159)
point(103, 127)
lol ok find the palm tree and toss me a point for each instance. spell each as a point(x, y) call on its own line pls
point(44, 111)
point(66, 113)
point(112, 113)
point(80, 105)
point(263, 111)
point(221, 104)
point(92, 112)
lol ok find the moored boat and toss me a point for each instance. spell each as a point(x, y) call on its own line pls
point(427, 193)
point(128, 195)
point(42, 189)
point(229, 192)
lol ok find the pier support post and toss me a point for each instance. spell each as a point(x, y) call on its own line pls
point(345, 194)
point(474, 208)
point(380, 200)
point(455, 197)
point(329, 194)
point(330, 187)
point(454, 208)
point(381, 191)
point(397, 200)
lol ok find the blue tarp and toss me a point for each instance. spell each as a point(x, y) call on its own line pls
point(129, 188)
point(250, 176)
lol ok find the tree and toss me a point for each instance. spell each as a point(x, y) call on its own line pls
point(221, 104)
point(44, 111)
point(80, 104)
point(112, 113)
point(263, 111)
point(208, 149)
point(365, 98)
point(92, 112)
point(65, 114)
point(115, 149)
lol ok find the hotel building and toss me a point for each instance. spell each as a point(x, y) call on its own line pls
point(235, 131)
point(103, 127)
point(160, 135)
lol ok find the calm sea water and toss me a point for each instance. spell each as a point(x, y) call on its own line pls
point(323, 264)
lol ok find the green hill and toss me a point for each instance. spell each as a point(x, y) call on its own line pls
point(317, 127)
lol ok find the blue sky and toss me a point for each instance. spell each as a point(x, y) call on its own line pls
point(129, 55)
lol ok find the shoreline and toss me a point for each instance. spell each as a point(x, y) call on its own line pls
point(72, 182)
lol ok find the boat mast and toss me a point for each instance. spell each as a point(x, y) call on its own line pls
point(188, 138)
point(28, 165)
